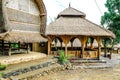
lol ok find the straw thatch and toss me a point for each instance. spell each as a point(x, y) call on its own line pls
point(25, 20)
point(43, 15)
point(69, 24)
point(24, 36)
point(71, 12)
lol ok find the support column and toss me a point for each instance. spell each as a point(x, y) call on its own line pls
point(99, 50)
point(2, 47)
point(83, 43)
point(49, 47)
point(19, 46)
point(99, 47)
point(81, 55)
point(61, 45)
point(66, 40)
point(65, 49)
point(72, 45)
point(28, 48)
point(9, 53)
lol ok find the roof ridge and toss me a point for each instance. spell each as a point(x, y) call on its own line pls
point(70, 11)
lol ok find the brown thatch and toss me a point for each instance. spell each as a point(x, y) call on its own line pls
point(24, 36)
point(74, 25)
point(23, 25)
point(71, 12)
point(43, 15)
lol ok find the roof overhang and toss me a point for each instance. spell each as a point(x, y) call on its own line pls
point(23, 36)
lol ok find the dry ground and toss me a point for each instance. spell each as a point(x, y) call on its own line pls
point(84, 74)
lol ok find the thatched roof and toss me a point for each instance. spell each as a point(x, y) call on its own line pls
point(24, 36)
point(43, 15)
point(71, 12)
point(74, 25)
point(24, 24)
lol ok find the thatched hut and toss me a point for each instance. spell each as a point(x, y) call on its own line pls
point(22, 21)
point(71, 24)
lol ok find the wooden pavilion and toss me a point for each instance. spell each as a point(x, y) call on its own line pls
point(71, 24)
point(22, 21)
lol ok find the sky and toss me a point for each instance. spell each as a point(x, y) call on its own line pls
point(89, 7)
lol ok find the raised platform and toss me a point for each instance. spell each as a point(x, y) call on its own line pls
point(18, 58)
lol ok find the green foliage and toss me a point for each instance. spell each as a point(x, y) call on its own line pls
point(14, 45)
point(62, 58)
point(89, 40)
point(1, 74)
point(3, 67)
point(111, 19)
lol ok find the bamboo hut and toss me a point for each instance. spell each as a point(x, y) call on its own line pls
point(71, 24)
point(22, 21)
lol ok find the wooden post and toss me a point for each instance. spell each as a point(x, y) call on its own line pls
point(99, 51)
point(2, 47)
point(28, 48)
point(105, 50)
point(72, 45)
point(19, 46)
point(61, 44)
point(9, 53)
point(83, 43)
point(49, 47)
point(65, 49)
point(81, 55)
point(99, 47)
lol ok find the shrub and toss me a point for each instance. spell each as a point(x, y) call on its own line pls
point(1, 74)
point(62, 58)
point(3, 67)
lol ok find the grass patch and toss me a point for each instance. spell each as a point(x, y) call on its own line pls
point(62, 58)
point(1, 74)
point(3, 66)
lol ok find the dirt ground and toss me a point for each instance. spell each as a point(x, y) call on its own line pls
point(84, 74)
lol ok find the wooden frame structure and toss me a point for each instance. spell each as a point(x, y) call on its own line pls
point(22, 21)
point(66, 39)
point(71, 24)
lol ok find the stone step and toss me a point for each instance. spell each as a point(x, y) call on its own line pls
point(31, 68)
point(87, 61)
point(40, 72)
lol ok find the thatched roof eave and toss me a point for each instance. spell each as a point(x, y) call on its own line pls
point(76, 26)
point(24, 37)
